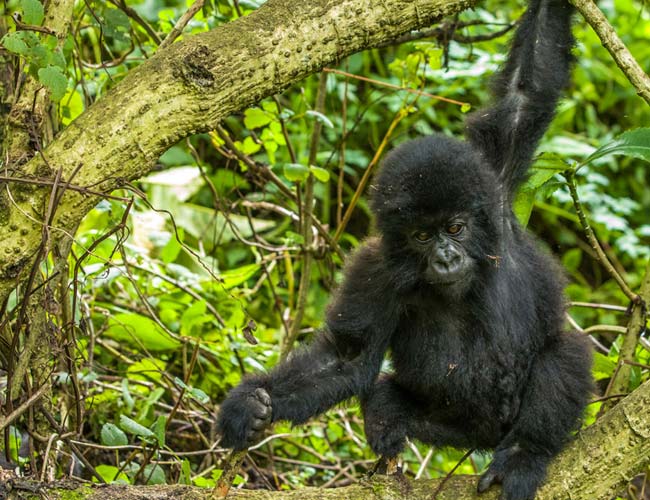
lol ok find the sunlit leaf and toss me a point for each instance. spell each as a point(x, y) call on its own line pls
point(256, 118)
point(320, 173)
point(111, 474)
point(239, 275)
point(603, 366)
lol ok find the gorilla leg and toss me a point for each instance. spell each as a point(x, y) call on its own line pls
point(391, 414)
point(554, 399)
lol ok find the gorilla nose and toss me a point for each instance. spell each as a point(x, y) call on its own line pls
point(447, 264)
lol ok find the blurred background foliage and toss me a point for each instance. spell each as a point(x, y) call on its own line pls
point(190, 278)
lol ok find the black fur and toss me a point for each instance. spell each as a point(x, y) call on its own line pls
point(469, 308)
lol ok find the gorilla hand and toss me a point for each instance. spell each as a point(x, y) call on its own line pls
point(244, 416)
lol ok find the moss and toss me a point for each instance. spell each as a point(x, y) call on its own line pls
point(80, 493)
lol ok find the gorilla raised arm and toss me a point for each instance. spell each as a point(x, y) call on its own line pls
point(469, 309)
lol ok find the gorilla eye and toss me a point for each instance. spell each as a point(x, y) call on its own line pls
point(454, 228)
point(422, 236)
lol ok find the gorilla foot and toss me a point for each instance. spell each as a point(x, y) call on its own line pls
point(518, 471)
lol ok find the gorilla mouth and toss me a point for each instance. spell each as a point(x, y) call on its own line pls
point(447, 282)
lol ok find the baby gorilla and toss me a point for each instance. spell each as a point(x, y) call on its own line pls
point(454, 289)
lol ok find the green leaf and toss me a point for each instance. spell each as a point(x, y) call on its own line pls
point(14, 42)
point(155, 474)
point(116, 24)
point(542, 172)
point(296, 172)
point(239, 275)
point(634, 143)
point(112, 435)
point(33, 12)
point(523, 206)
point(256, 118)
point(292, 238)
point(132, 427)
point(159, 430)
point(603, 366)
point(140, 331)
point(199, 395)
point(54, 79)
point(185, 476)
point(248, 146)
point(111, 474)
point(320, 173)
point(116, 18)
point(465, 108)
point(571, 259)
point(126, 395)
point(172, 249)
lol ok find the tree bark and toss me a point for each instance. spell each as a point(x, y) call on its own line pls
point(184, 89)
point(597, 465)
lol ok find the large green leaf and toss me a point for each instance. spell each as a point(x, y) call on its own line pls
point(140, 331)
point(634, 143)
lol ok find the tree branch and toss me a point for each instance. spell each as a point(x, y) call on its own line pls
point(615, 46)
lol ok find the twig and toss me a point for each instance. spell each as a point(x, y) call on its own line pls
point(5, 421)
point(396, 87)
point(181, 23)
point(133, 14)
point(614, 45)
point(621, 380)
point(230, 469)
point(443, 31)
point(607, 307)
point(569, 175)
point(450, 473)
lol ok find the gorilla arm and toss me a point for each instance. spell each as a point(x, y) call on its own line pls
point(527, 90)
point(342, 361)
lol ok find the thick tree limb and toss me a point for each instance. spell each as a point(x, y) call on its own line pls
point(188, 88)
point(595, 466)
